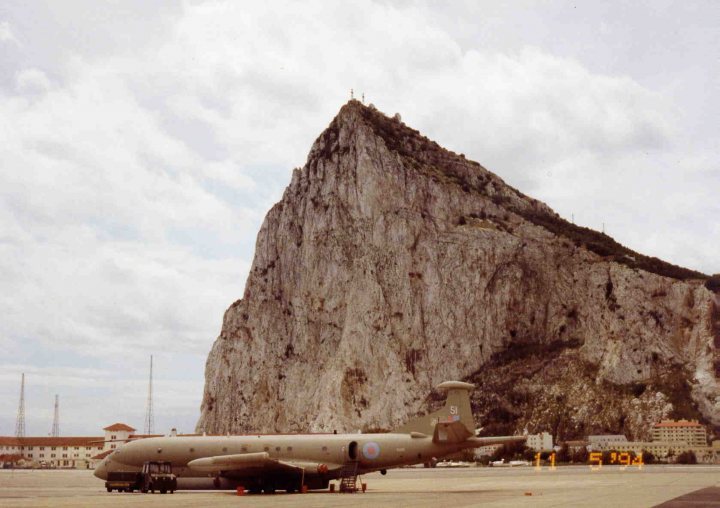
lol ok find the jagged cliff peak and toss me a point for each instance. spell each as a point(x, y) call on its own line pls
point(392, 264)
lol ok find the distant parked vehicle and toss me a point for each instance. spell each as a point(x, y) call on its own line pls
point(123, 481)
point(158, 475)
point(155, 475)
point(512, 463)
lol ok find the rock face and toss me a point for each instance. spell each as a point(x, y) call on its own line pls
point(391, 264)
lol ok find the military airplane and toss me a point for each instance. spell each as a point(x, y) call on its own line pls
point(306, 461)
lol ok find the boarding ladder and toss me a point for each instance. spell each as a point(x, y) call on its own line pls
point(348, 476)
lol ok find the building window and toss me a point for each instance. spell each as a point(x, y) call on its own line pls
point(52, 448)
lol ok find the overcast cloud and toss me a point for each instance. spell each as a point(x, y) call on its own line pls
point(142, 143)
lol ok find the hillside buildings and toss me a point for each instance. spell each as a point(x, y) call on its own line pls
point(601, 442)
point(540, 442)
point(669, 438)
point(690, 432)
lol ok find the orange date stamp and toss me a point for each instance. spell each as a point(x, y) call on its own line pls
point(624, 459)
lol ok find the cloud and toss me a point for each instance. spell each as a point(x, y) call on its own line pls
point(32, 81)
point(136, 170)
point(6, 34)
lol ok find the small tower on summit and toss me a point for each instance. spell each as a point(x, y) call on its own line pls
point(20, 422)
point(149, 416)
point(55, 432)
point(352, 94)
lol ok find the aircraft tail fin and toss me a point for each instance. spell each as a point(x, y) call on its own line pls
point(456, 409)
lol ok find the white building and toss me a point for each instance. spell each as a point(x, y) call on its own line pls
point(540, 442)
point(684, 431)
point(604, 442)
point(65, 452)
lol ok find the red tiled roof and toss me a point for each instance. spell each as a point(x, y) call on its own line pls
point(49, 441)
point(102, 455)
point(9, 441)
point(679, 423)
point(11, 457)
point(119, 426)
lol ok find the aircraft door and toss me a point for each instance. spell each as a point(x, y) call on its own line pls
point(352, 450)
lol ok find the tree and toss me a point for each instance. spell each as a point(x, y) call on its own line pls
point(581, 455)
point(648, 457)
point(687, 457)
point(509, 451)
point(713, 283)
point(563, 454)
point(529, 454)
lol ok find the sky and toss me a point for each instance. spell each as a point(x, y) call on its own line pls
point(142, 143)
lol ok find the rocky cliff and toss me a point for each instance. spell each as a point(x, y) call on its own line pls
point(391, 264)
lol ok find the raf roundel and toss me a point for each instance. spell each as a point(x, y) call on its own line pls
point(371, 450)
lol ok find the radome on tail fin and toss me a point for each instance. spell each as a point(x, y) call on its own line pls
point(456, 409)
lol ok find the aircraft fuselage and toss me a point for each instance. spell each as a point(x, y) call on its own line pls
point(321, 456)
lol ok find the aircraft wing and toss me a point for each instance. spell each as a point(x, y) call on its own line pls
point(492, 440)
point(260, 461)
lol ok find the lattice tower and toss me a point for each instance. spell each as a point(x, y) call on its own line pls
point(149, 417)
point(20, 422)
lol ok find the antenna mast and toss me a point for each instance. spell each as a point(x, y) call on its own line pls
point(56, 419)
point(149, 417)
point(20, 422)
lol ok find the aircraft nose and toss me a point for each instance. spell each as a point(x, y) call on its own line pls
point(101, 470)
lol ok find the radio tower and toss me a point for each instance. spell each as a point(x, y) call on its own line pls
point(20, 422)
point(149, 417)
point(56, 420)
